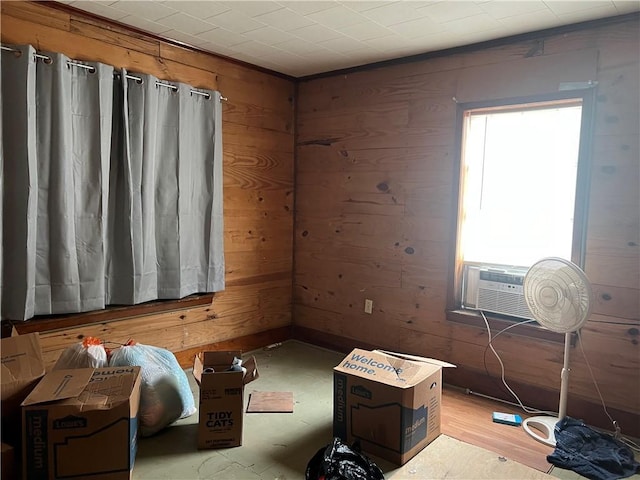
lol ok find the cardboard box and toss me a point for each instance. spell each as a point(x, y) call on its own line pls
point(82, 423)
point(221, 406)
point(9, 465)
point(21, 369)
point(389, 402)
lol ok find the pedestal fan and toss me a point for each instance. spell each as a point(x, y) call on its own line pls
point(559, 297)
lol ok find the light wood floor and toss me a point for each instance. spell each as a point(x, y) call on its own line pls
point(468, 418)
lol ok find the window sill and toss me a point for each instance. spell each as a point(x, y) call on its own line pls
point(497, 323)
point(110, 314)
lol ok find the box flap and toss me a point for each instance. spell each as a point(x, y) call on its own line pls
point(21, 362)
point(59, 385)
point(220, 362)
point(252, 370)
point(416, 358)
point(110, 385)
point(388, 369)
point(197, 369)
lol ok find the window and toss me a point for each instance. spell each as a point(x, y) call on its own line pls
point(519, 169)
point(115, 189)
point(522, 186)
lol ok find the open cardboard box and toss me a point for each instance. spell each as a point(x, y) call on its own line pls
point(388, 401)
point(8, 463)
point(221, 406)
point(82, 423)
point(21, 369)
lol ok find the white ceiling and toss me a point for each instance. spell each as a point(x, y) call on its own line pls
point(306, 37)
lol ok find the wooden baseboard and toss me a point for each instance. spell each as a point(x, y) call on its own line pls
point(478, 382)
point(328, 340)
point(244, 344)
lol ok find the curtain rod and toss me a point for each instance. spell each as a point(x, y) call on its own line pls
point(49, 60)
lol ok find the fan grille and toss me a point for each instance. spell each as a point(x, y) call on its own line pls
point(558, 294)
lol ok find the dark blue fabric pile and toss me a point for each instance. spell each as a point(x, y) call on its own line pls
point(592, 454)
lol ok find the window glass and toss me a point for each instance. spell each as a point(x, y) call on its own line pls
point(519, 173)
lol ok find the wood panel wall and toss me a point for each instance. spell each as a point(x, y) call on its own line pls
point(373, 185)
point(258, 126)
point(375, 180)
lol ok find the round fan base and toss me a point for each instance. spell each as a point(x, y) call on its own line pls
point(541, 429)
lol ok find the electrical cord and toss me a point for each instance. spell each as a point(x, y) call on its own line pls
point(617, 435)
point(490, 345)
point(618, 432)
point(486, 349)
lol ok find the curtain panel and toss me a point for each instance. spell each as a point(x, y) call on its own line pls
point(111, 187)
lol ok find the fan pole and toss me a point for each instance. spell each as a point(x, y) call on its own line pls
point(564, 382)
point(542, 428)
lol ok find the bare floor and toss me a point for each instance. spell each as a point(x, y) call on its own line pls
point(279, 445)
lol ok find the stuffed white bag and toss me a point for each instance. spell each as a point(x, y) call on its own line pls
point(165, 392)
point(90, 353)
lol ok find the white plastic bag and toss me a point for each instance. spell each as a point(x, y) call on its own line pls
point(90, 353)
point(165, 392)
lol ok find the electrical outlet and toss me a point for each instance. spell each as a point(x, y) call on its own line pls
point(368, 306)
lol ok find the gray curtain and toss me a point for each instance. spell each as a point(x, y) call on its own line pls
point(19, 148)
point(111, 192)
point(56, 133)
point(168, 243)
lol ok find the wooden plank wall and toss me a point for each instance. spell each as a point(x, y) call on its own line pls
point(375, 179)
point(258, 125)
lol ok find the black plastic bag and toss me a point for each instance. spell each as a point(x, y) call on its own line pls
point(337, 461)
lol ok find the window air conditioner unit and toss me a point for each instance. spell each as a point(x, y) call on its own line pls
point(495, 290)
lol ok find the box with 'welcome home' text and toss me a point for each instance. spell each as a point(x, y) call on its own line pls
point(390, 402)
point(82, 423)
